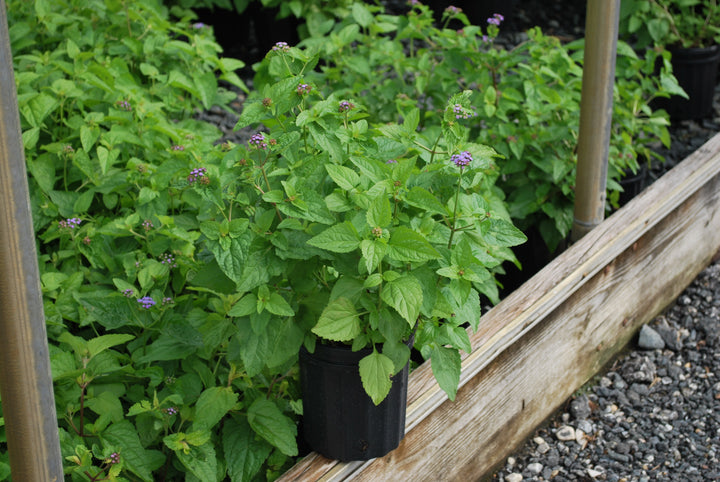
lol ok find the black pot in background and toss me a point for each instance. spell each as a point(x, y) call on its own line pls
point(340, 420)
point(696, 71)
point(632, 184)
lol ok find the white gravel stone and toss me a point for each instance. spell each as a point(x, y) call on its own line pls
point(514, 477)
point(565, 433)
point(535, 468)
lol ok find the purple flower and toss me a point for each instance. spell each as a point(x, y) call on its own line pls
point(461, 160)
point(198, 25)
point(124, 105)
point(281, 47)
point(496, 19)
point(462, 113)
point(452, 10)
point(258, 140)
point(303, 89)
point(413, 3)
point(178, 148)
point(167, 301)
point(114, 458)
point(147, 302)
point(196, 174)
point(70, 223)
point(147, 225)
point(345, 106)
point(391, 161)
point(129, 293)
point(171, 411)
point(168, 259)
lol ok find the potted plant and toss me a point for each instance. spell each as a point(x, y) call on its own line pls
point(373, 235)
point(690, 29)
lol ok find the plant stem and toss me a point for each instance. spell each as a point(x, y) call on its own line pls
point(454, 221)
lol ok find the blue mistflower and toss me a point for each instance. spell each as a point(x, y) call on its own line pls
point(461, 160)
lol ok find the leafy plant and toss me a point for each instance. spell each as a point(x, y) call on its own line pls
point(368, 230)
point(149, 380)
point(672, 23)
point(525, 101)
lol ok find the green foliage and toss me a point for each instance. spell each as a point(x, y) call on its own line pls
point(670, 23)
point(149, 368)
point(525, 102)
point(369, 229)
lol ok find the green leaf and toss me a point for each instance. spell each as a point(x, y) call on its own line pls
point(278, 306)
point(136, 459)
point(268, 421)
point(375, 372)
point(245, 306)
point(341, 238)
point(379, 213)
point(361, 14)
point(373, 253)
point(244, 453)
point(407, 245)
point(102, 343)
point(206, 86)
point(344, 177)
point(200, 460)
point(214, 403)
point(446, 364)
point(423, 199)
point(339, 321)
point(405, 295)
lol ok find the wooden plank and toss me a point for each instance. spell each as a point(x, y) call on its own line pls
point(553, 333)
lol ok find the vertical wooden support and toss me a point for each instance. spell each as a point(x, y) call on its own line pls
point(25, 379)
point(601, 28)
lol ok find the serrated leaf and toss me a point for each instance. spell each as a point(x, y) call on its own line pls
point(136, 459)
point(375, 372)
point(245, 306)
point(405, 295)
point(373, 252)
point(339, 321)
point(341, 238)
point(278, 306)
point(244, 453)
point(409, 246)
point(212, 405)
point(379, 213)
point(343, 176)
point(200, 460)
point(423, 199)
point(266, 419)
point(445, 363)
point(102, 343)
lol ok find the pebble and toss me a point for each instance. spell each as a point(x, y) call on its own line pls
point(565, 433)
point(649, 339)
point(513, 477)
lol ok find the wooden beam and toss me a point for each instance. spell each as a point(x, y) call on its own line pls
point(551, 335)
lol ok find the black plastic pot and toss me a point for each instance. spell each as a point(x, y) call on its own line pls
point(340, 420)
point(696, 71)
point(632, 184)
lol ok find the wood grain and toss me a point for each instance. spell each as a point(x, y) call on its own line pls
point(554, 332)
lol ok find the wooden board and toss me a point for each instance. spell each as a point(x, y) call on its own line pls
point(551, 335)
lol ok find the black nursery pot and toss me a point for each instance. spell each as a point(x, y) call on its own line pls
point(696, 71)
point(340, 420)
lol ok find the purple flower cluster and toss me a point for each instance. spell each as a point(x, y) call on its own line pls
point(196, 174)
point(303, 89)
point(391, 161)
point(345, 106)
point(451, 10)
point(128, 293)
point(462, 113)
point(413, 3)
point(147, 225)
point(198, 25)
point(281, 47)
point(496, 19)
point(124, 105)
point(70, 223)
point(147, 302)
point(178, 148)
point(168, 259)
point(258, 140)
point(461, 160)
point(167, 301)
point(171, 411)
point(114, 458)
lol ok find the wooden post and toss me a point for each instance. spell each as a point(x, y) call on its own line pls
point(601, 27)
point(25, 380)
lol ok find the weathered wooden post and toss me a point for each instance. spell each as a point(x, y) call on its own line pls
point(601, 33)
point(25, 379)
